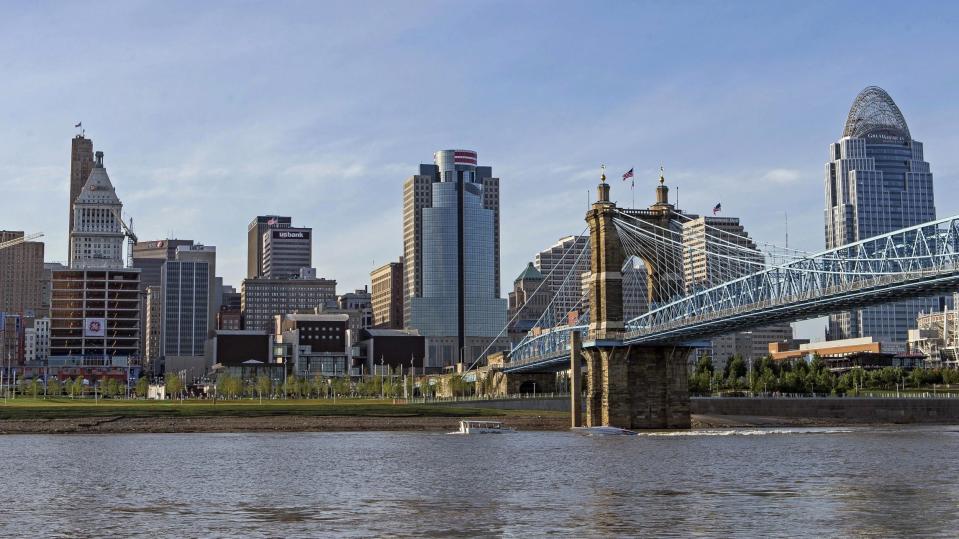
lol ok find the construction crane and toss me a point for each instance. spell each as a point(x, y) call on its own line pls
point(21, 239)
point(128, 232)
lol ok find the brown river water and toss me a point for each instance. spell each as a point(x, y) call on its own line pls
point(813, 482)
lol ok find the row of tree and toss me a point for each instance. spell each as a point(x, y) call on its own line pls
point(297, 387)
point(76, 388)
point(766, 375)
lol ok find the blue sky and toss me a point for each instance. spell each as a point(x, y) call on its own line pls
point(213, 112)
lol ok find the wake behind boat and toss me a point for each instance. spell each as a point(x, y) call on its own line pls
point(605, 430)
point(483, 427)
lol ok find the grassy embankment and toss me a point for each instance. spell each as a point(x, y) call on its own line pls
point(64, 408)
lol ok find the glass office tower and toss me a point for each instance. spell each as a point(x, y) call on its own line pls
point(456, 252)
point(876, 182)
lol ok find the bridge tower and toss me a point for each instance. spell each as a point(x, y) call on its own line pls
point(638, 387)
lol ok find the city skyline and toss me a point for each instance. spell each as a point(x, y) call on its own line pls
point(747, 131)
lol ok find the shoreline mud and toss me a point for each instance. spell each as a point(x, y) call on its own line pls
point(345, 423)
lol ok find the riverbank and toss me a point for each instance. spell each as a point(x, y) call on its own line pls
point(65, 416)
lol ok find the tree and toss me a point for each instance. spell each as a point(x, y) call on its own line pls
point(142, 387)
point(263, 385)
point(704, 365)
point(173, 384)
point(737, 370)
point(54, 387)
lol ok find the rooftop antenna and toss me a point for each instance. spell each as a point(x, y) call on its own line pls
point(786, 214)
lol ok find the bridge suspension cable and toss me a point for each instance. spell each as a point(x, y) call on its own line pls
point(548, 318)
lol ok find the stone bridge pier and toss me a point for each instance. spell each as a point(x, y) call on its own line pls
point(636, 387)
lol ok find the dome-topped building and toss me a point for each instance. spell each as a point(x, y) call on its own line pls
point(874, 111)
point(876, 181)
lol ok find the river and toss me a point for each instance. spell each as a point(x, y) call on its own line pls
point(878, 482)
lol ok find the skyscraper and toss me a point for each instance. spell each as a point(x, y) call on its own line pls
point(81, 163)
point(706, 244)
point(556, 263)
point(96, 240)
point(451, 257)
point(186, 315)
point(95, 306)
point(149, 256)
point(286, 251)
point(254, 241)
point(876, 182)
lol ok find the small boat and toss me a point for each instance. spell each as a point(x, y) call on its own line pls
point(605, 430)
point(483, 427)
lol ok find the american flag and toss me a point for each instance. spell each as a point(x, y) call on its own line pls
point(628, 175)
point(717, 208)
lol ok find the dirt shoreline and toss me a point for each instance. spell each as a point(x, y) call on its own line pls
point(295, 423)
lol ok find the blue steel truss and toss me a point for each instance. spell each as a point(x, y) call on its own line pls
point(915, 261)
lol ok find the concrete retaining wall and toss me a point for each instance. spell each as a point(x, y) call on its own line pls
point(878, 410)
point(881, 410)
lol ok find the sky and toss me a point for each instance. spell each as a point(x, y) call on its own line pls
point(210, 113)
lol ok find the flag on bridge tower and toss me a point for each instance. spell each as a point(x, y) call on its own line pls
point(717, 208)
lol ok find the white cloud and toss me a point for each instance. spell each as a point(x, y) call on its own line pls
point(782, 176)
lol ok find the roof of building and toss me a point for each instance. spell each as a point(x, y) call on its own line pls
point(98, 189)
point(874, 110)
point(530, 274)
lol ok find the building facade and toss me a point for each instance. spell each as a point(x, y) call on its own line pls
point(286, 251)
point(565, 257)
point(527, 302)
point(254, 247)
point(81, 164)
point(263, 299)
point(149, 256)
point(97, 237)
point(718, 250)
point(313, 344)
point(153, 330)
point(37, 341)
point(876, 181)
point(936, 336)
point(21, 275)
point(451, 257)
point(387, 295)
point(186, 316)
point(95, 313)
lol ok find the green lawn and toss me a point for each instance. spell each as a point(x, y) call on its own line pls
point(27, 408)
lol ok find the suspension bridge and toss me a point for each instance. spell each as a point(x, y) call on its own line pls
point(702, 279)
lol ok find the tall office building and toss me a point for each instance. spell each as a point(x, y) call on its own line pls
point(153, 329)
point(556, 263)
point(876, 181)
point(451, 257)
point(97, 237)
point(81, 164)
point(21, 275)
point(186, 316)
point(149, 256)
point(95, 303)
point(387, 291)
point(707, 241)
point(286, 251)
point(254, 241)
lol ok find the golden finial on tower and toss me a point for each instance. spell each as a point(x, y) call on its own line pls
point(662, 177)
point(602, 169)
